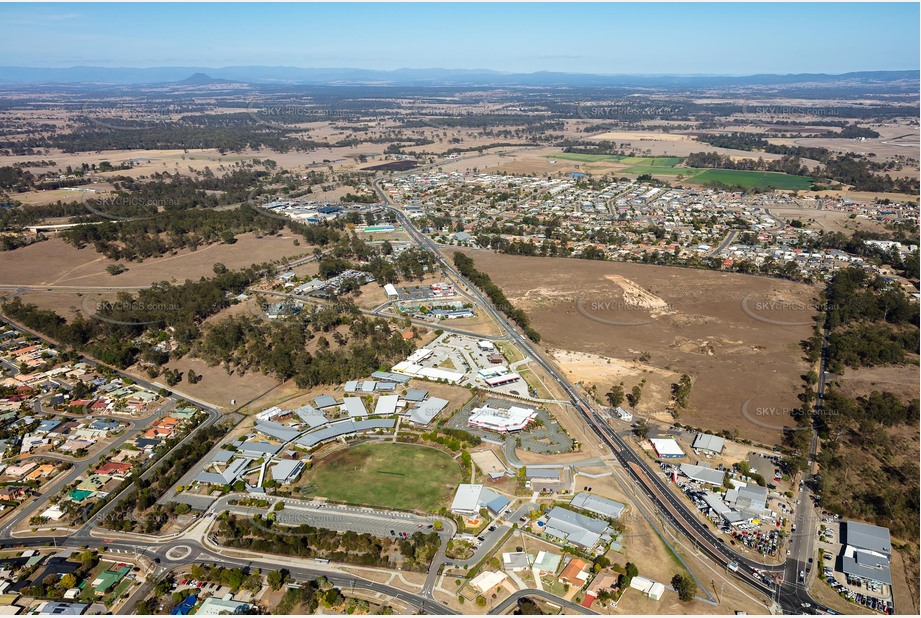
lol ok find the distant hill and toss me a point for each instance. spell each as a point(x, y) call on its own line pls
point(201, 76)
point(201, 79)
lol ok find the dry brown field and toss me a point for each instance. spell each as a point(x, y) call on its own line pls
point(58, 263)
point(745, 371)
point(901, 381)
point(828, 220)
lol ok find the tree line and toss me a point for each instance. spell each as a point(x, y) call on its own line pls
point(483, 281)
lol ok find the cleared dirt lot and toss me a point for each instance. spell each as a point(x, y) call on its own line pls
point(828, 220)
point(745, 369)
point(901, 381)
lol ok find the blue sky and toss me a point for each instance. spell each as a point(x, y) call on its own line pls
point(650, 38)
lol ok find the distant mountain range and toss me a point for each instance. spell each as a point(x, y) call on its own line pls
point(419, 77)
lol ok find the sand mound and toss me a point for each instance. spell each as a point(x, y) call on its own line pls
point(636, 296)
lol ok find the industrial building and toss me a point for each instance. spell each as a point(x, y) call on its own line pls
point(866, 552)
point(391, 292)
point(703, 474)
point(666, 448)
point(708, 443)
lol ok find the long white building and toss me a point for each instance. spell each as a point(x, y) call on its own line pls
point(501, 421)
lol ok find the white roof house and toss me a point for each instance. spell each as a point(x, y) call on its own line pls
point(547, 562)
point(652, 589)
point(487, 580)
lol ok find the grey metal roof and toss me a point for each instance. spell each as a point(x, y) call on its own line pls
point(342, 428)
point(467, 498)
point(574, 527)
point(222, 456)
point(354, 407)
point(598, 505)
point(497, 504)
point(707, 442)
point(390, 377)
point(228, 476)
point(867, 536)
point(311, 416)
point(386, 405)
point(415, 395)
point(542, 473)
point(564, 517)
point(276, 430)
point(423, 413)
point(702, 474)
point(263, 448)
point(286, 468)
point(210, 478)
point(325, 401)
point(866, 565)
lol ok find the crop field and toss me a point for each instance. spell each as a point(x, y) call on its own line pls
point(400, 476)
point(773, 180)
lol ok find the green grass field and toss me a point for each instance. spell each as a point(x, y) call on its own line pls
point(401, 476)
point(652, 161)
point(665, 166)
point(585, 158)
point(774, 180)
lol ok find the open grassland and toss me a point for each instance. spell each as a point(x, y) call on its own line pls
point(399, 476)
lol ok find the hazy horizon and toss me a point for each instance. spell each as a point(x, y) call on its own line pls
point(724, 39)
